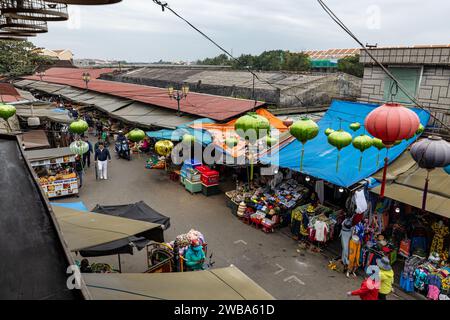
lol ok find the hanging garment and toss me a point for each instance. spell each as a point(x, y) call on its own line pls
point(433, 292)
point(322, 230)
point(440, 233)
point(359, 230)
point(346, 234)
point(320, 190)
point(360, 200)
point(354, 250)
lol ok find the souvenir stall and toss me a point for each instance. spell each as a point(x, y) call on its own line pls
point(270, 202)
point(55, 170)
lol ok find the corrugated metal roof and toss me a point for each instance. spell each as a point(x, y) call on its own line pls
point(214, 107)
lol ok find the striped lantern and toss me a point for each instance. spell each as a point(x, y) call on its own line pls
point(79, 147)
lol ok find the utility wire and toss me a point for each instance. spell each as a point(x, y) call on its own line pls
point(388, 73)
point(164, 5)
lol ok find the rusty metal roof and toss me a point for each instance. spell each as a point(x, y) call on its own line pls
point(204, 105)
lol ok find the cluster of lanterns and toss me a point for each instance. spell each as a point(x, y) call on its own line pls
point(26, 18)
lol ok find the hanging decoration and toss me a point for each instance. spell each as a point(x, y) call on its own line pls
point(328, 131)
point(188, 139)
point(389, 123)
point(136, 135)
point(164, 147)
point(377, 143)
point(6, 112)
point(252, 127)
point(304, 130)
point(420, 130)
point(78, 127)
point(355, 126)
point(79, 147)
point(362, 143)
point(339, 139)
point(430, 153)
point(231, 142)
point(288, 122)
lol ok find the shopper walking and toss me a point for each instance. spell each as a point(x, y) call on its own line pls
point(79, 168)
point(102, 157)
point(368, 289)
point(386, 276)
point(87, 155)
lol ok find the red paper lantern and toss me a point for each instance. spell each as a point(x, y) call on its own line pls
point(389, 123)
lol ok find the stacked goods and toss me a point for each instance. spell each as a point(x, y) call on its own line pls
point(190, 177)
point(209, 179)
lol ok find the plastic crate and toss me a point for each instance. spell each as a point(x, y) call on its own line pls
point(194, 176)
point(210, 190)
point(210, 178)
point(192, 187)
point(203, 169)
point(191, 164)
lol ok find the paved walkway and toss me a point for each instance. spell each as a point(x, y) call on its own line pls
point(271, 260)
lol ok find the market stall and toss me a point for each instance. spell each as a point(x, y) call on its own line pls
point(55, 170)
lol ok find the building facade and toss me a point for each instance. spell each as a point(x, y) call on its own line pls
point(423, 70)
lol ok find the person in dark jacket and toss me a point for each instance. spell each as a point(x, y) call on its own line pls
point(79, 168)
point(87, 155)
point(102, 156)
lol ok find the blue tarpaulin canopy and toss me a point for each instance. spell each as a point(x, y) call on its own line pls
point(79, 206)
point(320, 157)
point(201, 136)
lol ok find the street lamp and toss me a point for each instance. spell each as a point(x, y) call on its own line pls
point(178, 95)
point(86, 78)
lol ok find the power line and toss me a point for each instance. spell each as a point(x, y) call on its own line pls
point(388, 73)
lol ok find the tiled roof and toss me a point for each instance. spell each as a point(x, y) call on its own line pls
point(331, 53)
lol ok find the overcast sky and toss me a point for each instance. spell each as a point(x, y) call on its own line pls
point(137, 30)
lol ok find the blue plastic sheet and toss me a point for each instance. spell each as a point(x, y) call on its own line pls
point(201, 136)
point(320, 157)
point(71, 205)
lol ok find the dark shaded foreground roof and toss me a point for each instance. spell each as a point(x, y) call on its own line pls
point(33, 261)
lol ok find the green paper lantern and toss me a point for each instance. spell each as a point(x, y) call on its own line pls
point(328, 131)
point(270, 141)
point(303, 130)
point(136, 135)
point(79, 147)
point(355, 126)
point(378, 143)
point(7, 111)
point(362, 143)
point(252, 127)
point(79, 126)
point(231, 142)
point(339, 139)
point(188, 139)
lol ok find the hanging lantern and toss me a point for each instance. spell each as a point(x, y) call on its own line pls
point(79, 126)
point(430, 153)
point(303, 130)
point(231, 142)
point(164, 147)
point(355, 126)
point(22, 26)
point(339, 139)
point(79, 147)
point(288, 122)
point(136, 135)
point(377, 143)
point(188, 139)
point(389, 123)
point(34, 10)
point(328, 131)
point(270, 141)
point(447, 169)
point(6, 112)
point(252, 127)
point(420, 130)
point(362, 143)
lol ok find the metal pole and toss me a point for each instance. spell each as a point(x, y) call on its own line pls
point(178, 101)
point(120, 264)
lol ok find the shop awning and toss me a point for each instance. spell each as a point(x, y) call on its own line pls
point(43, 111)
point(43, 154)
point(201, 136)
point(34, 139)
point(320, 157)
point(406, 181)
point(84, 231)
point(216, 284)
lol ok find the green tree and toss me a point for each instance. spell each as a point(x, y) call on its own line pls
point(18, 58)
point(220, 60)
point(296, 61)
point(351, 65)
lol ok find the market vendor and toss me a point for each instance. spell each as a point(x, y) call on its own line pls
point(195, 257)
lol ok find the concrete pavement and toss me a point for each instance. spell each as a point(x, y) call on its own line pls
point(271, 260)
